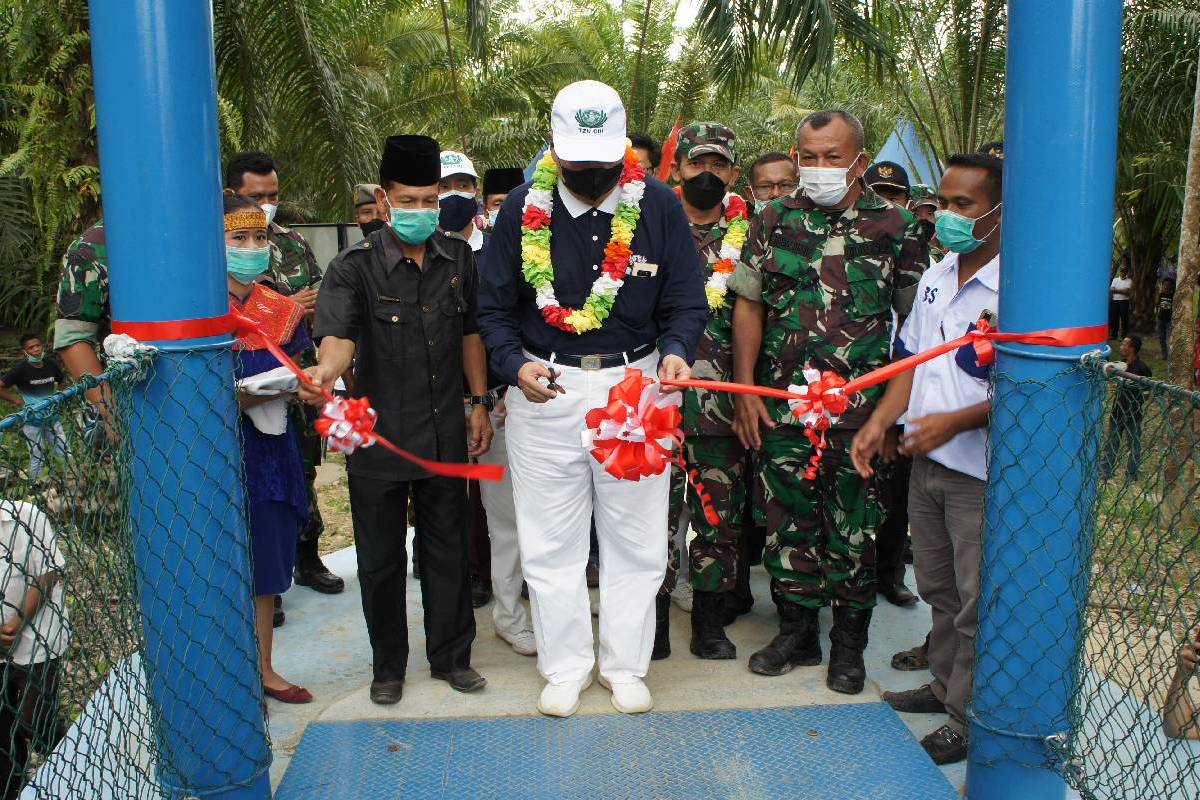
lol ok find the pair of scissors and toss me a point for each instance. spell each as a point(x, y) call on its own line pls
point(553, 385)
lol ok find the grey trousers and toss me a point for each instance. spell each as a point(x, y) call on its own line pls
point(945, 510)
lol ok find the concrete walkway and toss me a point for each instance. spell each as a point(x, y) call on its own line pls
point(324, 647)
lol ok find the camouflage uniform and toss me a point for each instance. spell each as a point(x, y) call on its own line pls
point(293, 268)
point(829, 282)
point(82, 313)
point(710, 444)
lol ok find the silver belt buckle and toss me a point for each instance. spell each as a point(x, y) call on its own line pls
point(590, 362)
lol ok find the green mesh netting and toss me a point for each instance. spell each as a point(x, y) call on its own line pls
point(1104, 465)
point(84, 714)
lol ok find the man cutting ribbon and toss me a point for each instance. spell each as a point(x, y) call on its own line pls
point(589, 269)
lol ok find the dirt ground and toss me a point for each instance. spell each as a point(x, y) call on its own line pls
point(335, 504)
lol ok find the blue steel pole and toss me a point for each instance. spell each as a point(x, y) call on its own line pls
point(156, 116)
point(1062, 89)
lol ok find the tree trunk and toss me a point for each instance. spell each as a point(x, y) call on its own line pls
point(1181, 460)
point(1183, 327)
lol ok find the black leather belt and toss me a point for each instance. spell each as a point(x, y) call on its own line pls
point(596, 361)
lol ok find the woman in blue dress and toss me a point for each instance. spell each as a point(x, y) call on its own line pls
point(276, 498)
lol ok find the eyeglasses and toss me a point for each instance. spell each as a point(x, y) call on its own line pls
point(785, 187)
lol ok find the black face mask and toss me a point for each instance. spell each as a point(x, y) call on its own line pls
point(703, 191)
point(370, 226)
point(592, 183)
point(927, 229)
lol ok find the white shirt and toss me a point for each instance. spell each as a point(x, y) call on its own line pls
point(28, 551)
point(941, 312)
point(1120, 287)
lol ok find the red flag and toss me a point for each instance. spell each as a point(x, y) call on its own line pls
point(668, 152)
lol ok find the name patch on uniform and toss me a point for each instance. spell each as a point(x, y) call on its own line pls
point(784, 242)
point(879, 247)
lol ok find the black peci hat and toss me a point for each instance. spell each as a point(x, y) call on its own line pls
point(502, 180)
point(411, 160)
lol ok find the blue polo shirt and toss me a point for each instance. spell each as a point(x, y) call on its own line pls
point(667, 307)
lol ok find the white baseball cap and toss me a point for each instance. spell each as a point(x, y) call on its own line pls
point(456, 163)
point(588, 122)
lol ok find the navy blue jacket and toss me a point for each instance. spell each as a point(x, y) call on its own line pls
point(668, 307)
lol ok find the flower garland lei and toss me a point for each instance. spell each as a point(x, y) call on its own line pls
point(535, 246)
point(736, 215)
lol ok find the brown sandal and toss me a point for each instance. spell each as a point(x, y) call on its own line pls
point(913, 659)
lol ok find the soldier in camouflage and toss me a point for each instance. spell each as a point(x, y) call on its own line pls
point(293, 272)
point(819, 278)
point(82, 315)
point(922, 202)
point(706, 168)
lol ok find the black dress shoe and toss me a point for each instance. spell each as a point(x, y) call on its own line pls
point(311, 572)
point(897, 594)
point(279, 617)
point(461, 680)
point(915, 701)
point(945, 746)
point(387, 693)
point(481, 592)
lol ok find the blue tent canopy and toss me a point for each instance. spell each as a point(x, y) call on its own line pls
point(906, 148)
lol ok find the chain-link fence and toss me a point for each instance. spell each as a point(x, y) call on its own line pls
point(1119, 721)
point(125, 628)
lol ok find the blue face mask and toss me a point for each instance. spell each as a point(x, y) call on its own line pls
point(246, 263)
point(457, 209)
point(414, 225)
point(957, 233)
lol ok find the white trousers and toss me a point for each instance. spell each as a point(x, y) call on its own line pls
point(508, 612)
point(558, 485)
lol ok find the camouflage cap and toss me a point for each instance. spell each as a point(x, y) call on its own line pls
point(702, 138)
point(921, 194)
point(364, 193)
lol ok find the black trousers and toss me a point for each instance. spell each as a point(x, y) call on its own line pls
point(380, 512)
point(29, 719)
point(1118, 319)
point(889, 542)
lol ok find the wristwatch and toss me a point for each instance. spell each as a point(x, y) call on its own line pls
point(488, 401)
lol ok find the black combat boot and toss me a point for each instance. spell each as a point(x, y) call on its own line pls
point(848, 638)
point(797, 644)
point(708, 627)
point(662, 627)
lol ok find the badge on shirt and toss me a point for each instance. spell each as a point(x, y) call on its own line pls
point(640, 268)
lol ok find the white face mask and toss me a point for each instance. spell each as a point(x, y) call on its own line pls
point(269, 209)
point(826, 186)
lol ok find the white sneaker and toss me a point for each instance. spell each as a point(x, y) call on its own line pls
point(631, 697)
point(682, 596)
point(562, 699)
point(522, 642)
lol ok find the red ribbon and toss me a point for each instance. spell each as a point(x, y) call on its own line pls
point(633, 435)
point(359, 414)
point(822, 397)
point(173, 330)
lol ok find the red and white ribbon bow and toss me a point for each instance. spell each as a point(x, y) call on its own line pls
point(348, 423)
point(633, 435)
point(818, 405)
